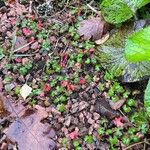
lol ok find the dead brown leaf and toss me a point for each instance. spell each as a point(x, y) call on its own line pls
point(116, 105)
point(30, 133)
point(103, 107)
point(3, 110)
point(93, 28)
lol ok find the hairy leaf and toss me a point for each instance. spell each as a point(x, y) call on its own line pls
point(138, 46)
point(117, 11)
point(111, 56)
point(93, 28)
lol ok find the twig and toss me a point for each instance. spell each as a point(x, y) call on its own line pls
point(20, 48)
point(135, 144)
point(93, 9)
point(126, 118)
point(23, 55)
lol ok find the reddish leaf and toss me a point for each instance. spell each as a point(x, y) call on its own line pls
point(39, 25)
point(42, 94)
point(13, 21)
point(82, 81)
point(118, 122)
point(93, 28)
point(32, 39)
point(47, 88)
point(73, 135)
point(63, 61)
point(64, 83)
point(18, 60)
point(70, 87)
point(26, 31)
point(78, 65)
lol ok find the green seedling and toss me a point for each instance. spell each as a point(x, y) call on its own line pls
point(131, 102)
point(23, 70)
point(126, 94)
point(126, 109)
point(113, 141)
point(117, 132)
point(101, 131)
point(76, 143)
point(101, 87)
point(17, 90)
point(88, 61)
point(97, 67)
point(46, 45)
point(126, 140)
point(8, 79)
point(42, 34)
point(65, 142)
point(108, 132)
point(61, 107)
point(88, 139)
point(33, 102)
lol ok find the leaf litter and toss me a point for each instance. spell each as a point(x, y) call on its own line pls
point(32, 125)
point(28, 131)
point(94, 28)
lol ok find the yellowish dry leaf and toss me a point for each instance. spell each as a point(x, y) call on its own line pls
point(25, 91)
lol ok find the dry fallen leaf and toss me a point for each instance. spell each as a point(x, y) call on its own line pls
point(116, 105)
point(25, 91)
point(3, 110)
point(30, 133)
point(93, 28)
point(103, 107)
point(20, 43)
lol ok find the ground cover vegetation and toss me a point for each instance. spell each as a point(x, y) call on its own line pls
point(74, 75)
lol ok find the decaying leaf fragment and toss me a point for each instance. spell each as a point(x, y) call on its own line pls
point(93, 28)
point(3, 110)
point(117, 105)
point(30, 133)
point(103, 107)
point(25, 91)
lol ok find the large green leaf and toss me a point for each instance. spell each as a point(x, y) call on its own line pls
point(147, 98)
point(117, 11)
point(138, 46)
point(136, 4)
point(111, 56)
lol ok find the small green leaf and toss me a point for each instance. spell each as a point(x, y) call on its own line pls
point(137, 47)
